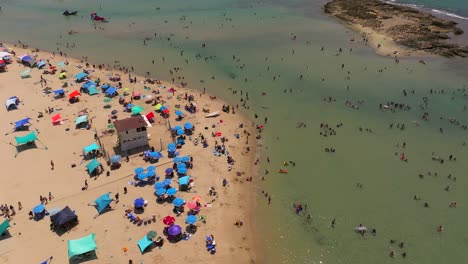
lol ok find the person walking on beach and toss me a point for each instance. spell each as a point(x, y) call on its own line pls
point(52, 165)
point(50, 196)
point(20, 206)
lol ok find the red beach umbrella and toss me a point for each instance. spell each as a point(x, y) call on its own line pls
point(192, 205)
point(169, 220)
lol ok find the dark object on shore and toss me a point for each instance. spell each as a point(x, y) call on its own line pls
point(67, 13)
point(408, 27)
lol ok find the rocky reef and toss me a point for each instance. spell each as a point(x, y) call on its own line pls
point(408, 27)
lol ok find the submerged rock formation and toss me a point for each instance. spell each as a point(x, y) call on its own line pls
point(408, 27)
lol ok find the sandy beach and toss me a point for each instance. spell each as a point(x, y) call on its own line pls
point(28, 174)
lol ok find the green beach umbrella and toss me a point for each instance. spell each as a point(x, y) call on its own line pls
point(137, 109)
point(107, 100)
point(151, 234)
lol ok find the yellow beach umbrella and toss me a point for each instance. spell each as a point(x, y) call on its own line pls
point(63, 75)
point(158, 107)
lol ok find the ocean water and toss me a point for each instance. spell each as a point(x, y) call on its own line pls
point(267, 64)
point(451, 7)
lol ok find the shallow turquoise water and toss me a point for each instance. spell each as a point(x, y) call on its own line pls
point(259, 35)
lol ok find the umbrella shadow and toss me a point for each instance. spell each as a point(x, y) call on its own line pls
point(191, 229)
point(5, 235)
point(83, 258)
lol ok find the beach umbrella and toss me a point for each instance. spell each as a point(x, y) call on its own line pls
point(139, 202)
point(171, 191)
point(166, 111)
point(171, 147)
point(158, 107)
point(114, 112)
point(177, 159)
point(136, 94)
point(110, 126)
point(129, 106)
point(167, 182)
point(191, 219)
point(158, 185)
point(139, 170)
point(174, 230)
point(169, 171)
point(181, 165)
point(182, 170)
point(169, 220)
point(155, 154)
point(151, 173)
point(115, 159)
point(180, 132)
point(25, 73)
point(185, 159)
point(39, 209)
point(177, 128)
point(142, 176)
point(151, 234)
point(63, 75)
point(163, 108)
point(179, 113)
point(107, 100)
point(151, 168)
point(188, 125)
point(196, 198)
point(126, 90)
point(160, 191)
point(178, 202)
point(192, 205)
point(137, 109)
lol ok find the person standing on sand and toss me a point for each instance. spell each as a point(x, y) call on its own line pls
point(52, 165)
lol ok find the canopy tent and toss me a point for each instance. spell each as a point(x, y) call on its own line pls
point(11, 103)
point(137, 109)
point(74, 94)
point(111, 91)
point(28, 61)
point(39, 209)
point(81, 75)
point(158, 107)
point(92, 165)
point(184, 180)
point(21, 123)
point(87, 85)
point(102, 202)
point(4, 226)
point(26, 139)
point(56, 118)
point(82, 245)
point(150, 115)
point(90, 148)
point(92, 90)
point(81, 119)
point(64, 216)
point(144, 243)
point(41, 64)
point(59, 92)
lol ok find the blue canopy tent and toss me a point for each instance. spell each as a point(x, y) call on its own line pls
point(90, 148)
point(111, 91)
point(81, 246)
point(81, 119)
point(92, 165)
point(59, 93)
point(81, 76)
point(28, 61)
point(39, 212)
point(88, 84)
point(178, 202)
point(184, 180)
point(105, 86)
point(102, 202)
point(92, 90)
point(4, 226)
point(20, 123)
point(41, 64)
point(144, 243)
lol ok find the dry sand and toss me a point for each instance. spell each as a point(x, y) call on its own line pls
point(25, 177)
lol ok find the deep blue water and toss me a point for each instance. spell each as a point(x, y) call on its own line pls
point(458, 7)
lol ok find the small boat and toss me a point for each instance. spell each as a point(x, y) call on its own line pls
point(213, 114)
point(67, 13)
point(283, 171)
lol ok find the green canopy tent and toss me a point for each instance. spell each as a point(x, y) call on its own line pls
point(93, 90)
point(144, 243)
point(92, 165)
point(90, 148)
point(27, 139)
point(81, 246)
point(4, 226)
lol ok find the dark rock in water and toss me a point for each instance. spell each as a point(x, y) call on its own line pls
point(408, 27)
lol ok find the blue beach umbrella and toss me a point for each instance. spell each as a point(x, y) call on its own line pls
point(139, 170)
point(142, 176)
point(171, 191)
point(185, 159)
point(163, 108)
point(151, 173)
point(39, 209)
point(188, 125)
point(180, 132)
point(167, 182)
point(169, 170)
point(160, 191)
point(171, 147)
point(191, 219)
point(178, 202)
point(177, 159)
point(176, 128)
point(139, 202)
point(182, 171)
point(158, 185)
point(151, 168)
point(179, 113)
point(115, 159)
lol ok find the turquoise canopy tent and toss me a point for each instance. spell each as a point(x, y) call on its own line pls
point(102, 202)
point(82, 245)
point(5, 225)
point(137, 109)
point(81, 119)
point(93, 90)
point(92, 165)
point(90, 148)
point(26, 139)
point(144, 243)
